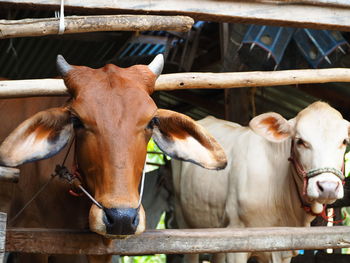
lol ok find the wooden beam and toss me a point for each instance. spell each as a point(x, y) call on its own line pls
point(9, 174)
point(250, 79)
point(32, 88)
point(51, 241)
point(262, 12)
point(343, 3)
point(55, 87)
point(83, 24)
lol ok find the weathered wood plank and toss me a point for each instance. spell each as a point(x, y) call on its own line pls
point(55, 87)
point(3, 218)
point(178, 241)
point(32, 88)
point(83, 24)
point(193, 80)
point(344, 3)
point(9, 174)
point(288, 14)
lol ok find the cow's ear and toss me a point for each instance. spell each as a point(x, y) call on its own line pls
point(39, 137)
point(182, 138)
point(272, 126)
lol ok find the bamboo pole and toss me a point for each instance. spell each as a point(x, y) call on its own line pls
point(83, 24)
point(317, 14)
point(182, 241)
point(167, 82)
point(338, 3)
point(250, 79)
point(32, 88)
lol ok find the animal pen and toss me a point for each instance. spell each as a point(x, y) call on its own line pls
point(175, 15)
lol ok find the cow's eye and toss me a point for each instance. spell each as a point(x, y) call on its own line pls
point(154, 121)
point(77, 123)
point(301, 142)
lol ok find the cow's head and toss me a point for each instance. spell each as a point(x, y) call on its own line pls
point(113, 117)
point(320, 136)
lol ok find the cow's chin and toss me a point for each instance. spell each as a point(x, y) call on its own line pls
point(318, 198)
point(96, 223)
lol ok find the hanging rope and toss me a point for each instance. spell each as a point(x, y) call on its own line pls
point(60, 14)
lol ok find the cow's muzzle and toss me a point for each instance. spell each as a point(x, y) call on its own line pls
point(121, 221)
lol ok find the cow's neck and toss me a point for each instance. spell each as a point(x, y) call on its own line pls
point(286, 195)
point(296, 185)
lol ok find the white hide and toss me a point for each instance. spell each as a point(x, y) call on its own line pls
point(257, 188)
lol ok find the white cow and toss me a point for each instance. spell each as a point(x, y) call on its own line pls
point(260, 187)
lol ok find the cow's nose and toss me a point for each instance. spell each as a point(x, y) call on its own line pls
point(121, 221)
point(328, 189)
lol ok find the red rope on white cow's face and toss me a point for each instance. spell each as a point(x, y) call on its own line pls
point(312, 173)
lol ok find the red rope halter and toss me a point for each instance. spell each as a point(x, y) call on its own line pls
point(306, 176)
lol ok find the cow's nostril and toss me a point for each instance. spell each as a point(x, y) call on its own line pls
point(109, 216)
point(136, 220)
point(121, 221)
point(319, 186)
point(328, 189)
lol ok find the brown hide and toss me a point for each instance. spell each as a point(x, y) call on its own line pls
point(46, 209)
point(115, 108)
point(113, 117)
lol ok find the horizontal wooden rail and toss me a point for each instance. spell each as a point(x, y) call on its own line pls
point(250, 79)
point(53, 241)
point(55, 87)
point(318, 14)
point(82, 24)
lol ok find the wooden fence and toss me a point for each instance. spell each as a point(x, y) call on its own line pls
point(304, 13)
point(192, 80)
point(178, 241)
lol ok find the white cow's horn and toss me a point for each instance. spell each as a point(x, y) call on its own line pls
point(62, 66)
point(156, 66)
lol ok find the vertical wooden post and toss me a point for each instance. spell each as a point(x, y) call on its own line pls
point(3, 217)
point(236, 100)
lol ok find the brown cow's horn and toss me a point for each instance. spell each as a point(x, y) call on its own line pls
point(156, 66)
point(62, 66)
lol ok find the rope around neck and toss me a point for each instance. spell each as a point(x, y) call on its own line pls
point(62, 172)
point(74, 178)
point(41, 188)
point(306, 176)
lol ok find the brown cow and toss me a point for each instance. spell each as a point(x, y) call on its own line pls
point(112, 117)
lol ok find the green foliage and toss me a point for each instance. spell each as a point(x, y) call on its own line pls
point(154, 157)
point(347, 164)
point(158, 258)
point(158, 159)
